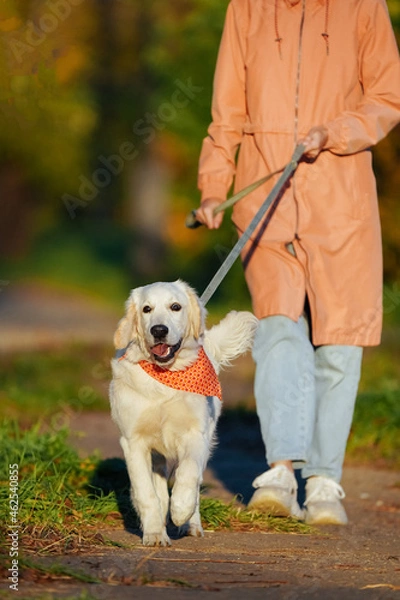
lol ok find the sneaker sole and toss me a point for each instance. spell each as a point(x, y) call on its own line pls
point(324, 520)
point(270, 506)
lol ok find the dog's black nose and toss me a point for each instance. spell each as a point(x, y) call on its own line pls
point(159, 331)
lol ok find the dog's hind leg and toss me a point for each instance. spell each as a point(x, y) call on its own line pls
point(143, 492)
point(160, 482)
point(195, 528)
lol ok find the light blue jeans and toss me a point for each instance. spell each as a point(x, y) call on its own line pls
point(305, 396)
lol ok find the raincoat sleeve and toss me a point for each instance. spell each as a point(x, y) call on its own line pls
point(217, 157)
point(379, 110)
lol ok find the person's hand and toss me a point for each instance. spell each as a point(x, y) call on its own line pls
point(205, 214)
point(314, 141)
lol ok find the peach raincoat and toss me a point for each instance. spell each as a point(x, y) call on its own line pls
point(285, 66)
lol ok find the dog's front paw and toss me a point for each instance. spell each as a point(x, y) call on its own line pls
point(183, 505)
point(156, 539)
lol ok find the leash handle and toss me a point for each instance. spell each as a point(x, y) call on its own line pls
point(191, 220)
point(244, 238)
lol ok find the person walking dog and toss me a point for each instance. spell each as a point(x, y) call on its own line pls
point(324, 73)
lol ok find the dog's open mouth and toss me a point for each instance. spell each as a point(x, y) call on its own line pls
point(164, 352)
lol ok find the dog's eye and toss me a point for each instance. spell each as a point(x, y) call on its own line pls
point(147, 308)
point(175, 306)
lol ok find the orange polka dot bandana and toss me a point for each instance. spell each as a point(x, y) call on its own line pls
point(199, 378)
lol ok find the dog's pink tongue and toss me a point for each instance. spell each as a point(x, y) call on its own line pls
point(160, 349)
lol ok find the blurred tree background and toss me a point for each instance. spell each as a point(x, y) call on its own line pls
point(103, 106)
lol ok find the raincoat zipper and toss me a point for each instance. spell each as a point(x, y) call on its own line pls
point(296, 106)
point(309, 291)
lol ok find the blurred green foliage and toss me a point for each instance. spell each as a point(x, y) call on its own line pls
point(92, 94)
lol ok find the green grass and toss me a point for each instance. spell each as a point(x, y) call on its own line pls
point(57, 508)
point(64, 500)
point(41, 384)
point(219, 515)
point(375, 435)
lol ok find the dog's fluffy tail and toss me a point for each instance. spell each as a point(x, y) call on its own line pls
point(231, 337)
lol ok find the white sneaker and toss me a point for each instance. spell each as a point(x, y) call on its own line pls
point(276, 493)
point(323, 502)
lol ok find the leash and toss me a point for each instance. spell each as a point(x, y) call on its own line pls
point(191, 220)
point(244, 238)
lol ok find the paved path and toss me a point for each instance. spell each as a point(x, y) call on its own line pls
point(35, 316)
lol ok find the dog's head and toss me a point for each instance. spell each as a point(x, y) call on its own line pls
point(161, 318)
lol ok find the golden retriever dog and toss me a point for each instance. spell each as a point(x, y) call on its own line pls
point(165, 399)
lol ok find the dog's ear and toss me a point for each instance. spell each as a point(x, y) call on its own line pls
point(127, 327)
point(197, 313)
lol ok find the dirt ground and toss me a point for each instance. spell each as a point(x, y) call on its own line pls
point(361, 560)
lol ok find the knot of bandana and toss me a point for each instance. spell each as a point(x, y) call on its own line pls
point(199, 378)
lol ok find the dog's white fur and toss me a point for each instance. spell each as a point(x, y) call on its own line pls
point(162, 429)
